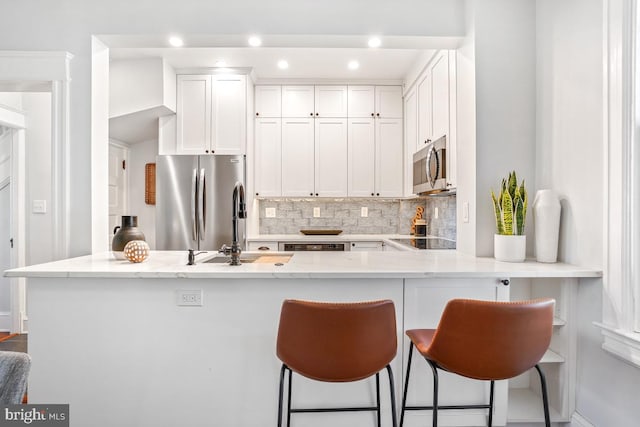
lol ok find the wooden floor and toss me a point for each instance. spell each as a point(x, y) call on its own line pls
point(14, 343)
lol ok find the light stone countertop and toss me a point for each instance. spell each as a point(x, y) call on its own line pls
point(394, 264)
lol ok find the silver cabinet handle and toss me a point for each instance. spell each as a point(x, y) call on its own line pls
point(202, 199)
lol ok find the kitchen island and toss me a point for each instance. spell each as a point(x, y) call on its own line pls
point(114, 341)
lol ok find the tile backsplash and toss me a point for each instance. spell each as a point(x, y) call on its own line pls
point(386, 216)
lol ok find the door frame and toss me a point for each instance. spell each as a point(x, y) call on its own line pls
point(15, 120)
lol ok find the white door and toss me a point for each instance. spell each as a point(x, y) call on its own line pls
point(229, 114)
point(193, 114)
point(440, 95)
point(118, 200)
point(6, 244)
point(297, 101)
point(331, 101)
point(268, 101)
point(361, 148)
point(389, 157)
point(297, 158)
point(389, 102)
point(361, 101)
point(425, 111)
point(268, 160)
point(331, 157)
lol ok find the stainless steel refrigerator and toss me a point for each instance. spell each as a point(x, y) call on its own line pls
point(194, 201)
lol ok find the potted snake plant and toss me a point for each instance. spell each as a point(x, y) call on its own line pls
point(511, 212)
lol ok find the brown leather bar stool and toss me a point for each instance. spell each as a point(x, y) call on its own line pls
point(336, 342)
point(484, 340)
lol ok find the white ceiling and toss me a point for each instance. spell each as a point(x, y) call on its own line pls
point(311, 63)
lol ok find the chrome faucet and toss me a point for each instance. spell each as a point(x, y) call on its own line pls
point(239, 211)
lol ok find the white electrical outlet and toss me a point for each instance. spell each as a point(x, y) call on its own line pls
point(39, 206)
point(270, 212)
point(465, 211)
point(190, 297)
point(364, 212)
point(435, 213)
point(316, 212)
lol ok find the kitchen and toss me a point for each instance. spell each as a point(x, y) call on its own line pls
point(493, 92)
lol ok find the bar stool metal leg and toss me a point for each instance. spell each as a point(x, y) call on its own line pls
point(289, 401)
point(378, 397)
point(392, 389)
point(406, 385)
point(434, 368)
point(282, 369)
point(545, 398)
point(491, 388)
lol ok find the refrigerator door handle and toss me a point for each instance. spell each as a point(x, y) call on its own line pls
point(202, 200)
point(194, 189)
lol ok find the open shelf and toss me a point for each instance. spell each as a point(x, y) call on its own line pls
point(552, 357)
point(525, 406)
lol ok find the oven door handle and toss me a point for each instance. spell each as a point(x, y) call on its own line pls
point(432, 179)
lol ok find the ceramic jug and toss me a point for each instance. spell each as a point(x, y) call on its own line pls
point(124, 234)
point(546, 217)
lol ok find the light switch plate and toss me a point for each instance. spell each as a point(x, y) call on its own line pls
point(316, 212)
point(435, 213)
point(270, 212)
point(364, 212)
point(39, 206)
point(190, 297)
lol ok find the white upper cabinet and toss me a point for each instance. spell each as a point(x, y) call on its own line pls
point(211, 114)
point(268, 101)
point(440, 95)
point(330, 157)
point(268, 154)
point(375, 101)
point(298, 101)
point(425, 111)
point(388, 167)
point(362, 156)
point(194, 114)
point(362, 101)
point(389, 102)
point(330, 101)
point(298, 157)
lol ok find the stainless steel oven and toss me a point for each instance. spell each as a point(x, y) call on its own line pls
point(430, 168)
point(318, 246)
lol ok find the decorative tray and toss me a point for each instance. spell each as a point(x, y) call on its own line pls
point(321, 232)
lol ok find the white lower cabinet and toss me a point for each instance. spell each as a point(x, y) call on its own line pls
point(267, 245)
point(424, 302)
point(366, 246)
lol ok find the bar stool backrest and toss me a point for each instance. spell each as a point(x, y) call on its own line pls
point(337, 342)
point(490, 340)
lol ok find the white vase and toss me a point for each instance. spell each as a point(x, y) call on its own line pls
point(510, 248)
point(546, 216)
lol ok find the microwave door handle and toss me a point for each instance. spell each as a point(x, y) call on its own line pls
point(432, 179)
point(202, 199)
point(194, 195)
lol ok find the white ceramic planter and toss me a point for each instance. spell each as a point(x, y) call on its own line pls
point(546, 217)
point(509, 248)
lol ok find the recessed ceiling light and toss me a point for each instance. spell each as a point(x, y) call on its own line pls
point(175, 41)
point(283, 65)
point(221, 63)
point(255, 41)
point(374, 42)
point(353, 65)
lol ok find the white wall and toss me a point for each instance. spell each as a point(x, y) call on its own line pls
point(139, 155)
point(37, 109)
point(569, 152)
point(68, 26)
point(11, 99)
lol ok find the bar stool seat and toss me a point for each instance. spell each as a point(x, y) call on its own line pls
point(336, 342)
point(484, 340)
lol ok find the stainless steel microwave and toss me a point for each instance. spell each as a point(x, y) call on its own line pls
point(430, 168)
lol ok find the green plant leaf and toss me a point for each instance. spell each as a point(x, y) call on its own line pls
point(507, 213)
point(498, 214)
point(513, 184)
point(518, 212)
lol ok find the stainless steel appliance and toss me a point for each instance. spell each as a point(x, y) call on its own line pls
point(430, 168)
point(194, 197)
point(320, 247)
point(427, 242)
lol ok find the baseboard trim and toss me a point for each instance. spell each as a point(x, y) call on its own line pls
point(578, 420)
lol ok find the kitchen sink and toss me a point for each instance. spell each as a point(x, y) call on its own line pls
point(272, 258)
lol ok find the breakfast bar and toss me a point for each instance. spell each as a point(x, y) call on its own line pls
point(163, 343)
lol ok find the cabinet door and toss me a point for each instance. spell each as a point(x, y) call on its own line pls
point(388, 169)
point(410, 138)
point(425, 111)
point(362, 151)
point(193, 132)
point(330, 101)
point(331, 157)
point(268, 157)
point(229, 112)
point(389, 102)
point(268, 101)
point(440, 95)
point(361, 101)
point(297, 157)
point(297, 101)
